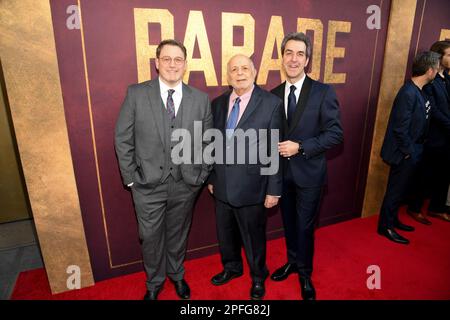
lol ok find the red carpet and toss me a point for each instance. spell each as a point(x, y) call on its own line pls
point(420, 270)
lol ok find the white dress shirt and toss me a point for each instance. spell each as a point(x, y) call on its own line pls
point(287, 89)
point(176, 96)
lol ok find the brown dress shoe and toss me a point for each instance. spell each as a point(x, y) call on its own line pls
point(419, 217)
point(440, 215)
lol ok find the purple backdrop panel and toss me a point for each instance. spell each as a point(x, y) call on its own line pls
point(431, 17)
point(97, 61)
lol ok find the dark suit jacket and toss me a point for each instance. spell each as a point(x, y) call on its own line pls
point(316, 124)
point(439, 134)
point(242, 184)
point(139, 134)
point(406, 126)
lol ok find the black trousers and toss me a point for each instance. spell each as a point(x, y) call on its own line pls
point(299, 209)
point(400, 176)
point(431, 180)
point(237, 226)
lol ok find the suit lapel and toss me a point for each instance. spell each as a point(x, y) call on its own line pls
point(279, 92)
point(154, 97)
point(223, 111)
point(186, 103)
point(251, 106)
point(301, 104)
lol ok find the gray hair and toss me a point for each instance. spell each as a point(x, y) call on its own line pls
point(297, 36)
point(424, 61)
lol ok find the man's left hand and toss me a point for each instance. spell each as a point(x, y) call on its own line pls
point(288, 148)
point(271, 201)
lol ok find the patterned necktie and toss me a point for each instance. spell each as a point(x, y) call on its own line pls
point(170, 105)
point(291, 104)
point(232, 119)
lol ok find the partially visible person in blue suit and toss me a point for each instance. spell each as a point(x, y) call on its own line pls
point(403, 143)
point(313, 126)
point(433, 178)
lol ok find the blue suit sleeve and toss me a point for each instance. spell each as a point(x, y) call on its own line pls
point(402, 114)
point(331, 132)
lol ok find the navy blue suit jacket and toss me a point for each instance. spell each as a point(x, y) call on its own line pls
point(439, 134)
point(316, 124)
point(242, 184)
point(406, 127)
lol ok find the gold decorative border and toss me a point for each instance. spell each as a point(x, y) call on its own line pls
point(400, 28)
point(367, 109)
point(420, 27)
point(28, 53)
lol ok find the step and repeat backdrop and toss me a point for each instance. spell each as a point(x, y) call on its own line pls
point(105, 45)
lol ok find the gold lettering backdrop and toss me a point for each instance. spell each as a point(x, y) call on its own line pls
point(196, 33)
point(114, 45)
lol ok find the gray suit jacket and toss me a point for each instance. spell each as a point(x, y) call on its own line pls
point(139, 134)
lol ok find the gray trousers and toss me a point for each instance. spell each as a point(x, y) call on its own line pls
point(164, 215)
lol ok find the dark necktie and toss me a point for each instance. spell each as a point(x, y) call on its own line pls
point(292, 104)
point(233, 118)
point(170, 105)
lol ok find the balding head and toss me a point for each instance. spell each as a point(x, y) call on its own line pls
point(241, 73)
point(240, 56)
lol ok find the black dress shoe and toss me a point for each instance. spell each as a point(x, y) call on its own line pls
point(182, 289)
point(419, 217)
point(403, 227)
point(151, 295)
point(224, 277)
point(392, 235)
point(282, 273)
point(258, 290)
point(441, 215)
point(307, 287)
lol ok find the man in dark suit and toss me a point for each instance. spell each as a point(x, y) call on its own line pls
point(163, 189)
point(434, 171)
point(242, 189)
point(403, 143)
point(312, 127)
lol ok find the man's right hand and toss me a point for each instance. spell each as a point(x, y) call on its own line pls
point(211, 188)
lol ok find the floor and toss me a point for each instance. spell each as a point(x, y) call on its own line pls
point(19, 252)
point(351, 262)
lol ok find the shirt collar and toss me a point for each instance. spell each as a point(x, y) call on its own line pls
point(246, 95)
point(298, 84)
point(164, 87)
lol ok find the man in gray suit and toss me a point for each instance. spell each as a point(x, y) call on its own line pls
point(164, 190)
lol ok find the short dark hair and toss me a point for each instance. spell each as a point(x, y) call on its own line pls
point(423, 62)
point(440, 47)
point(170, 42)
point(297, 36)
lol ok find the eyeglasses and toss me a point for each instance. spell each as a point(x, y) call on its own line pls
point(168, 60)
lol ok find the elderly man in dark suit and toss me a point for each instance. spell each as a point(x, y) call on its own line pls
point(163, 188)
point(312, 127)
point(403, 143)
point(243, 189)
